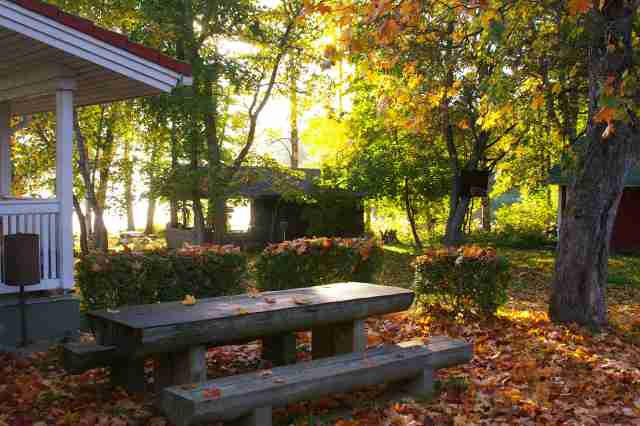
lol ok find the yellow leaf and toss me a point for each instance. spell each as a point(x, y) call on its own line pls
point(242, 311)
point(556, 89)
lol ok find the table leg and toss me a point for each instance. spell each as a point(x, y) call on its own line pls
point(129, 374)
point(423, 385)
point(338, 339)
point(180, 368)
point(258, 417)
point(280, 349)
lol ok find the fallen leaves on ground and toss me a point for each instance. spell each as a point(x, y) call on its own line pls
point(526, 370)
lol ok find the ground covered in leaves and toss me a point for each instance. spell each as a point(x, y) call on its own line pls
point(526, 371)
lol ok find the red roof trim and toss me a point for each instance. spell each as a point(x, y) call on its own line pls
point(110, 37)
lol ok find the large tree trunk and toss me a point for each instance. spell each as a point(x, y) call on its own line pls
point(581, 269)
point(603, 161)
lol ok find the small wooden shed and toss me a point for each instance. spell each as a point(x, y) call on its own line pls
point(286, 206)
point(626, 230)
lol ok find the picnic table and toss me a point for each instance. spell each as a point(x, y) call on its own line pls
point(177, 336)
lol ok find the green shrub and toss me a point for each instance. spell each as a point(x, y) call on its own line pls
point(134, 278)
point(470, 280)
point(311, 262)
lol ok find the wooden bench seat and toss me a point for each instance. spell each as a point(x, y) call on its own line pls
point(80, 357)
point(249, 398)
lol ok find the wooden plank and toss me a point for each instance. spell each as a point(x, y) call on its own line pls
point(166, 314)
point(240, 395)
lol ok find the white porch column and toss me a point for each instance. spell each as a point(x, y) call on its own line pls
point(5, 149)
point(64, 177)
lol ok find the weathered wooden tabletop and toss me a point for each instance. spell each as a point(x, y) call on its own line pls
point(167, 326)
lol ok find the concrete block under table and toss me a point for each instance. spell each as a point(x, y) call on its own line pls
point(50, 319)
point(337, 339)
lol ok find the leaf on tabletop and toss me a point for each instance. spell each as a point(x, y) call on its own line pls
point(266, 373)
point(270, 300)
point(300, 301)
point(211, 393)
point(189, 300)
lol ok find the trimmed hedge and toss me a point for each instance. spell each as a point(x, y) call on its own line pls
point(470, 280)
point(319, 261)
point(134, 278)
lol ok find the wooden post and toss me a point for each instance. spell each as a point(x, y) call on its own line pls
point(338, 339)
point(5, 149)
point(280, 349)
point(180, 368)
point(64, 178)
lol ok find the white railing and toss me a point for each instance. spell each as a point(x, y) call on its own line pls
point(40, 217)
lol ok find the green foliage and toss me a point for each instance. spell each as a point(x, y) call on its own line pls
point(133, 278)
point(311, 262)
point(527, 224)
point(330, 213)
point(469, 280)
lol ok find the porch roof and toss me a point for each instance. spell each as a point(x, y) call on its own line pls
point(41, 45)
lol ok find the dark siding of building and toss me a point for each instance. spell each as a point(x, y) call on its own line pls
point(626, 231)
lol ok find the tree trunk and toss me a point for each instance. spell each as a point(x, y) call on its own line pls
point(294, 74)
point(603, 161)
point(458, 206)
point(486, 214)
point(151, 214)
point(581, 271)
point(411, 215)
point(101, 238)
point(128, 185)
point(82, 220)
point(173, 203)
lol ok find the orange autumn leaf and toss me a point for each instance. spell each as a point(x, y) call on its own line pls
point(577, 7)
point(605, 115)
point(389, 29)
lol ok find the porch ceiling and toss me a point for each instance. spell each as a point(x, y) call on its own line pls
point(40, 44)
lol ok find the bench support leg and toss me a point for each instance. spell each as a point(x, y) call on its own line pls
point(280, 349)
point(258, 417)
point(180, 368)
point(129, 374)
point(338, 339)
point(423, 385)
